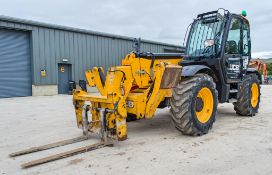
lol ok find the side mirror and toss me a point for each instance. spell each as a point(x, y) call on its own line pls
point(209, 43)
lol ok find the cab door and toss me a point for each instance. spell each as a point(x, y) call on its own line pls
point(233, 58)
point(246, 47)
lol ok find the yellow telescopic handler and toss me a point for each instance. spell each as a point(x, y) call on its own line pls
point(214, 69)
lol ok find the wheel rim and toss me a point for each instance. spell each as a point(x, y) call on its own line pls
point(205, 112)
point(254, 95)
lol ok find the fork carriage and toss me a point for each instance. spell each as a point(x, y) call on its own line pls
point(137, 88)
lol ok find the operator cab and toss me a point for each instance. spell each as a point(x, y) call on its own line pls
point(219, 44)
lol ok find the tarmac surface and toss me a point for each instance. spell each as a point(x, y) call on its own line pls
point(235, 145)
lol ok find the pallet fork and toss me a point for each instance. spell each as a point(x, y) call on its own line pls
point(104, 143)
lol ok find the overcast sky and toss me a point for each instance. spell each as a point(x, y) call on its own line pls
point(158, 20)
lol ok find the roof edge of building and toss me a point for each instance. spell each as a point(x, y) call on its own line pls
point(73, 29)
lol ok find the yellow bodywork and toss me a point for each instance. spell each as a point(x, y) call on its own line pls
point(135, 88)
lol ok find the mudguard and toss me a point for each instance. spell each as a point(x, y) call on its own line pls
point(191, 70)
point(255, 71)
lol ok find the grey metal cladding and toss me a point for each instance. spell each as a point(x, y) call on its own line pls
point(83, 48)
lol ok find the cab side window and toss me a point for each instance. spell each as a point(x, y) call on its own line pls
point(246, 39)
point(233, 44)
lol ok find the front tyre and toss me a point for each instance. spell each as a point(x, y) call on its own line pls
point(248, 98)
point(194, 105)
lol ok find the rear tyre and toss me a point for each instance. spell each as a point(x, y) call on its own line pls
point(194, 105)
point(248, 97)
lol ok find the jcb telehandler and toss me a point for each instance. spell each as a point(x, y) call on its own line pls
point(214, 69)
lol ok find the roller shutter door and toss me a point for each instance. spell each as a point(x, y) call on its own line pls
point(15, 64)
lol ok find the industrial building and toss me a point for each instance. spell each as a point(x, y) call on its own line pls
point(39, 59)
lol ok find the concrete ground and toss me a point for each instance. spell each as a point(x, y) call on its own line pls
point(235, 145)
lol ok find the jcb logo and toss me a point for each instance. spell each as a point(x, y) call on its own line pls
point(234, 67)
point(130, 104)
